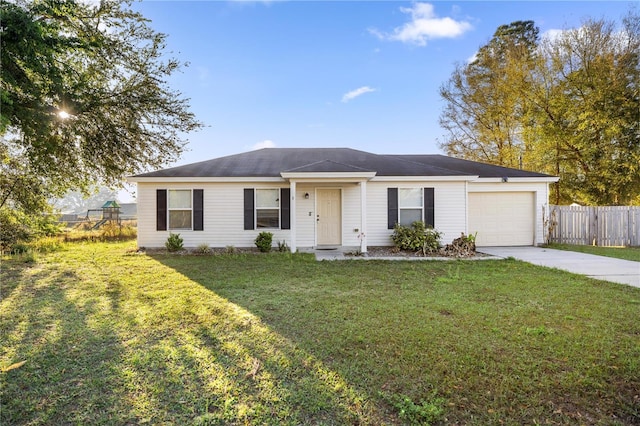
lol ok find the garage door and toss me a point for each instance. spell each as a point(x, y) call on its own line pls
point(502, 218)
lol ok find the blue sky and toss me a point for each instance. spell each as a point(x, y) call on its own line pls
point(358, 74)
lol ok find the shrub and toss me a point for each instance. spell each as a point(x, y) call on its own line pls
point(263, 241)
point(416, 237)
point(47, 244)
point(230, 249)
point(203, 249)
point(174, 242)
point(282, 246)
point(432, 241)
point(12, 230)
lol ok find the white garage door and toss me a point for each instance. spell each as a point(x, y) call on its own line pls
point(502, 218)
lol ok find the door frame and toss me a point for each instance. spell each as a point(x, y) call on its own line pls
point(317, 212)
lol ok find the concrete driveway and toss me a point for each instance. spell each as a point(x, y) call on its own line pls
point(599, 267)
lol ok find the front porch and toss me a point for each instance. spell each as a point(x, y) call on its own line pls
point(328, 210)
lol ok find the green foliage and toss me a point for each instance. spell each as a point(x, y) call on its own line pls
point(424, 413)
point(416, 237)
point(565, 106)
point(104, 66)
point(17, 227)
point(282, 246)
point(263, 241)
point(174, 242)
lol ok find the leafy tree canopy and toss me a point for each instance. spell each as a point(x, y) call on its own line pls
point(84, 98)
point(567, 105)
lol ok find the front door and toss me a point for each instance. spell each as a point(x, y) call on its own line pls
point(329, 217)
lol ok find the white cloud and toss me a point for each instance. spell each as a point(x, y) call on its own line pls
point(552, 34)
point(473, 57)
point(355, 93)
point(424, 25)
point(264, 144)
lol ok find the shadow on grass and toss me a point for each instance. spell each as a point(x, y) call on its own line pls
point(112, 337)
point(117, 339)
point(67, 361)
point(500, 340)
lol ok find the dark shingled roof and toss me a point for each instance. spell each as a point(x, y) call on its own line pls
point(483, 170)
point(270, 162)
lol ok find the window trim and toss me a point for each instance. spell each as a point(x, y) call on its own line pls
point(256, 208)
point(170, 209)
point(421, 207)
point(428, 206)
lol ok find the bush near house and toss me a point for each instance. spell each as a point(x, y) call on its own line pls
point(416, 237)
point(263, 241)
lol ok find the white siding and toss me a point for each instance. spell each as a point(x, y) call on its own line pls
point(223, 216)
point(224, 207)
point(306, 215)
point(540, 191)
point(450, 209)
point(351, 215)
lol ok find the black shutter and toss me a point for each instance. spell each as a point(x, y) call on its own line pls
point(161, 210)
point(198, 210)
point(392, 207)
point(285, 208)
point(248, 209)
point(429, 208)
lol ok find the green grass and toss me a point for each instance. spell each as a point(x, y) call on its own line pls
point(626, 253)
point(110, 336)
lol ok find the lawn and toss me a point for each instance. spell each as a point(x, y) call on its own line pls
point(111, 336)
point(626, 253)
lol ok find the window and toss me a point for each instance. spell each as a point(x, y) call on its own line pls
point(406, 205)
point(180, 208)
point(409, 205)
point(267, 208)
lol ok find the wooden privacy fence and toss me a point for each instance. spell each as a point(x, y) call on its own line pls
point(601, 226)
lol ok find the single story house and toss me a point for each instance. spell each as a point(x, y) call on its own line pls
point(328, 197)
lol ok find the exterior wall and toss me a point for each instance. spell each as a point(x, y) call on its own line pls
point(306, 215)
point(223, 216)
point(541, 196)
point(450, 209)
point(224, 206)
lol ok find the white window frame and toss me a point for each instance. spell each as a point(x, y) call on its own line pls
point(170, 209)
point(420, 207)
point(279, 208)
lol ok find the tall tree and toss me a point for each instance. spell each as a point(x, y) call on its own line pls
point(484, 102)
point(84, 96)
point(568, 106)
point(588, 111)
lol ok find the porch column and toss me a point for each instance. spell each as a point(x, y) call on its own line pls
point(292, 213)
point(363, 216)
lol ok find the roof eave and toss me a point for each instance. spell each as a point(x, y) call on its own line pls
point(457, 178)
point(510, 179)
point(349, 176)
point(179, 179)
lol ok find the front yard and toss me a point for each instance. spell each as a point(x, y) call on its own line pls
point(111, 336)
